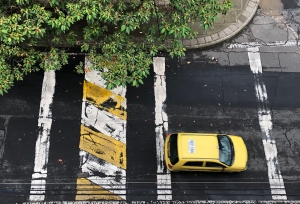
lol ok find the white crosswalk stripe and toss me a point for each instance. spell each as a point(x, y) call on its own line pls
point(38, 183)
point(164, 191)
point(265, 122)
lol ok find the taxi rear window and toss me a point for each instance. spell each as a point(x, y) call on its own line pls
point(173, 149)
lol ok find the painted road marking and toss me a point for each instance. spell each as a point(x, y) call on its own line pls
point(90, 191)
point(164, 188)
point(38, 182)
point(287, 43)
point(104, 122)
point(95, 78)
point(265, 122)
point(3, 133)
point(102, 141)
point(103, 147)
point(114, 179)
point(104, 99)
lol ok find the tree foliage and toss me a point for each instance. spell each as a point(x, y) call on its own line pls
point(119, 36)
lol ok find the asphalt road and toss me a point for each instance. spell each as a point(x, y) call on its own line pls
point(19, 118)
point(202, 96)
point(291, 4)
point(205, 97)
point(210, 90)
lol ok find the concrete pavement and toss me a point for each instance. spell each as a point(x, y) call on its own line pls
point(226, 26)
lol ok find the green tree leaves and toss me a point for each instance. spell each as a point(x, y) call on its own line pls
point(119, 37)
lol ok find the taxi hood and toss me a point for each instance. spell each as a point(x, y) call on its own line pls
point(240, 152)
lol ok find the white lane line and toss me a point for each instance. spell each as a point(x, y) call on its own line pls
point(287, 43)
point(265, 122)
point(164, 190)
point(113, 178)
point(38, 182)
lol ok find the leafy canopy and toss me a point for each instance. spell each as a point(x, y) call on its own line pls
point(119, 36)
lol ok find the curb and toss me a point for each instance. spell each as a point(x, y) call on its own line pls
point(226, 33)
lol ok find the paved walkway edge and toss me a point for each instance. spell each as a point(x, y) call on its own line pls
point(226, 33)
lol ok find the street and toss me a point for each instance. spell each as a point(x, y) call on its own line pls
point(247, 86)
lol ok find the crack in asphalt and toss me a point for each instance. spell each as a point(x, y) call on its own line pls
point(290, 144)
point(279, 62)
point(281, 23)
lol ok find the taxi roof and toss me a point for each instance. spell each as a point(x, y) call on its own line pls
point(198, 146)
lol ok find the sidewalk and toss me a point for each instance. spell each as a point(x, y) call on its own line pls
point(226, 26)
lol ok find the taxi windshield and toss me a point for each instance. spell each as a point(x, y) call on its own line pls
point(226, 149)
point(173, 149)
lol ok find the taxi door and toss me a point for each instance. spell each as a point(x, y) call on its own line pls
point(212, 166)
point(192, 166)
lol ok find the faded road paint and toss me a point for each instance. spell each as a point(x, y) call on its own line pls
point(103, 141)
point(89, 191)
point(95, 78)
point(288, 43)
point(164, 191)
point(38, 182)
point(113, 178)
point(265, 121)
point(103, 147)
point(104, 99)
point(3, 134)
point(103, 122)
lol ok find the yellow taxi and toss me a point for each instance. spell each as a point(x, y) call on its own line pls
point(205, 152)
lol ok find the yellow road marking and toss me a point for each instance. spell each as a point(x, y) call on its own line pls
point(103, 147)
point(86, 190)
point(104, 99)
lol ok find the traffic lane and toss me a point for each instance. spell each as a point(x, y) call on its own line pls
point(19, 116)
point(239, 93)
point(140, 138)
point(68, 94)
point(24, 97)
point(290, 4)
point(220, 86)
point(255, 178)
point(63, 158)
point(283, 89)
point(286, 131)
point(192, 91)
point(198, 115)
point(201, 66)
point(141, 153)
point(18, 159)
point(286, 110)
point(63, 163)
point(218, 186)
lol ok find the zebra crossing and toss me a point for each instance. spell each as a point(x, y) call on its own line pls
point(104, 153)
point(103, 140)
point(38, 182)
point(164, 191)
